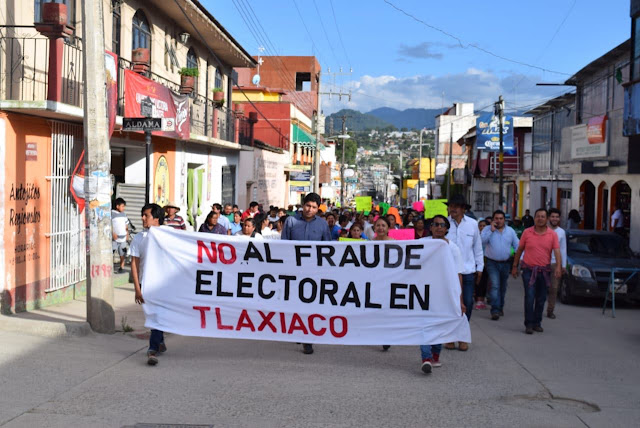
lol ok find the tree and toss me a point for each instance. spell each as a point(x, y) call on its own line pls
point(350, 153)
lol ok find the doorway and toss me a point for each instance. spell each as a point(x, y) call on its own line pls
point(587, 202)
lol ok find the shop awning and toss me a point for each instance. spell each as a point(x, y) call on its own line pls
point(303, 138)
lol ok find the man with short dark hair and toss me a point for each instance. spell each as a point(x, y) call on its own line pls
point(527, 220)
point(537, 243)
point(228, 212)
point(253, 209)
point(222, 220)
point(554, 224)
point(307, 226)
point(498, 239)
point(120, 230)
point(152, 216)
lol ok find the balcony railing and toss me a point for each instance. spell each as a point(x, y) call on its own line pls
point(510, 166)
point(24, 68)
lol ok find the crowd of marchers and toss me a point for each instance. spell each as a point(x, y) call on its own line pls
point(484, 251)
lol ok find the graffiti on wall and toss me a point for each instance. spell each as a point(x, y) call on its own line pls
point(22, 216)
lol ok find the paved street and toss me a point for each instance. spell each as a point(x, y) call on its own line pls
point(582, 371)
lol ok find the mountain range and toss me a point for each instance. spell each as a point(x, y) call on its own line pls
point(387, 117)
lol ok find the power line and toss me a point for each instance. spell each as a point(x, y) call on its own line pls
point(324, 30)
point(472, 45)
point(215, 57)
point(335, 21)
point(306, 28)
point(263, 39)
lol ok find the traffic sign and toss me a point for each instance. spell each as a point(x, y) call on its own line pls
point(148, 124)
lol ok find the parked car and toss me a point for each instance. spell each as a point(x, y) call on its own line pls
point(591, 257)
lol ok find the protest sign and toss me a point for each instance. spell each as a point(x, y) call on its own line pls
point(402, 234)
point(363, 203)
point(434, 207)
point(350, 239)
point(384, 208)
point(394, 212)
point(351, 293)
point(418, 206)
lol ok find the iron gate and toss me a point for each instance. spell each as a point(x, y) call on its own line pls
point(67, 231)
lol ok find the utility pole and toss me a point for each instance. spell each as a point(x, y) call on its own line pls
point(401, 179)
point(316, 155)
point(450, 173)
point(344, 144)
point(429, 188)
point(100, 312)
point(499, 110)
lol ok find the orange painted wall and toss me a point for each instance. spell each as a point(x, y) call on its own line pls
point(26, 211)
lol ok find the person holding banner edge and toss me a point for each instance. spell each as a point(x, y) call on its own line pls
point(439, 228)
point(465, 234)
point(307, 226)
point(381, 227)
point(152, 216)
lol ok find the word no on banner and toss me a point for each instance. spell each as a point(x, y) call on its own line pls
point(351, 293)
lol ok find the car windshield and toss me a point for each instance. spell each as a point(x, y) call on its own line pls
point(598, 245)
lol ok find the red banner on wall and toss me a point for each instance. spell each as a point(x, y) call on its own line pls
point(165, 103)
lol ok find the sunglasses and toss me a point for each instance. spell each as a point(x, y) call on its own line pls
point(439, 224)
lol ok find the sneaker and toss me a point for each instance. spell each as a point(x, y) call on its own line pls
point(426, 365)
point(386, 347)
point(152, 358)
point(162, 348)
point(480, 305)
point(538, 329)
point(495, 317)
point(120, 270)
point(307, 348)
point(551, 315)
point(528, 330)
point(435, 360)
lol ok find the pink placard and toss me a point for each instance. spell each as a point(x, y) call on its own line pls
point(402, 234)
point(418, 206)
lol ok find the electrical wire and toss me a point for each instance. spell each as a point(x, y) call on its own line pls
point(324, 30)
point(263, 39)
point(215, 57)
point(335, 21)
point(471, 45)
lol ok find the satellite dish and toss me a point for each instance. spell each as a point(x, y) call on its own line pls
point(256, 79)
point(348, 173)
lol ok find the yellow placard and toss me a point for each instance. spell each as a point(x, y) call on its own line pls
point(434, 207)
point(363, 203)
point(350, 239)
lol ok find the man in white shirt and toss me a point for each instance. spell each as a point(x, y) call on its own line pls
point(554, 224)
point(465, 234)
point(152, 216)
point(120, 230)
point(617, 221)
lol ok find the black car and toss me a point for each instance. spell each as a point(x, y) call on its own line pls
point(591, 257)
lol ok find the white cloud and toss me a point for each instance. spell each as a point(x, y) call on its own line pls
point(426, 91)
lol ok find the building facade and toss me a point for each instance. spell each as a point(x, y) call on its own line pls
point(147, 43)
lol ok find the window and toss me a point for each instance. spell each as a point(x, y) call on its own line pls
point(115, 27)
point(303, 82)
point(218, 81)
point(141, 31)
point(192, 62)
point(37, 10)
point(635, 39)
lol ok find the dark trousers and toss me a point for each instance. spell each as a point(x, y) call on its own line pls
point(535, 296)
point(156, 338)
point(468, 287)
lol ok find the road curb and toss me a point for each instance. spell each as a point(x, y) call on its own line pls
point(53, 329)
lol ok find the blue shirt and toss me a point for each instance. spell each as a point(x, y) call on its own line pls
point(235, 228)
point(335, 232)
point(298, 229)
point(497, 245)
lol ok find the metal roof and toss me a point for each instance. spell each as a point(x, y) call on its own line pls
point(597, 64)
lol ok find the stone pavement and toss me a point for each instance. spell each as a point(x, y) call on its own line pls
point(582, 371)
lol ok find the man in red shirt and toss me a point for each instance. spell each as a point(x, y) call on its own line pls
point(537, 243)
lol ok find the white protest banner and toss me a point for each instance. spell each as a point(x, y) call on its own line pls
point(351, 293)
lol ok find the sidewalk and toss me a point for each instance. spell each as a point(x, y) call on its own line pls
point(70, 319)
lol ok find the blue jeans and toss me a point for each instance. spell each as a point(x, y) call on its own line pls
point(427, 351)
point(535, 296)
point(156, 338)
point(468, 288)
point(498, 275)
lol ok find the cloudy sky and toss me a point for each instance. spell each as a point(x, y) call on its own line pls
point(421, 53)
